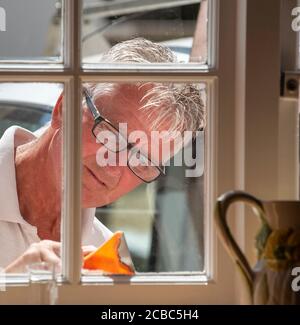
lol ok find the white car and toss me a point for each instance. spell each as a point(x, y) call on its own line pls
point(27, 104)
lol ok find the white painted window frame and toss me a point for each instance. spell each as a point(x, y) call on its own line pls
point(229, 142)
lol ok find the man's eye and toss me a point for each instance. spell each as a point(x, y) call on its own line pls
point(143, 160)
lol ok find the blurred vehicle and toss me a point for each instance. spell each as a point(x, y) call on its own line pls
point(107, 22)
point(27, 104)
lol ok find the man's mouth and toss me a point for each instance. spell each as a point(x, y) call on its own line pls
point(95, 177)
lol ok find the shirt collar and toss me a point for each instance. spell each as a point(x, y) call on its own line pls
point(9, 206)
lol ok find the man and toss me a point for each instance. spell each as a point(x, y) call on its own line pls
point(31, 169)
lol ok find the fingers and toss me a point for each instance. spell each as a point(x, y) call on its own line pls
point(49, 256)
point(44, 251)
point(53, 246)
point(88, 249)
point(50, 252)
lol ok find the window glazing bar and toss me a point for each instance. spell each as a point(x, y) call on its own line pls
point(71, 212)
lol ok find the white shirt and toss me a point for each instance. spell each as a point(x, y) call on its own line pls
point(16, 235)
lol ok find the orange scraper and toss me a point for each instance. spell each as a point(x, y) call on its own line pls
point(112, 257)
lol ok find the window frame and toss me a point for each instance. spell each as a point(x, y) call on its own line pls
point(220, 75)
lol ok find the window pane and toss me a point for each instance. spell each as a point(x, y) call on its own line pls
point(180, 25)
point(162, 221)
point(28, 157)
point(32, 30)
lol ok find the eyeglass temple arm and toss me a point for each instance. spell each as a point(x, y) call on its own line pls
point(90, 103)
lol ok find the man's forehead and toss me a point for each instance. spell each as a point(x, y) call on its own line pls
point(125, 112)
point(124, 105)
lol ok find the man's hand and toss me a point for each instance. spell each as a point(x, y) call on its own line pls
point(44, 251)
point(87, 250)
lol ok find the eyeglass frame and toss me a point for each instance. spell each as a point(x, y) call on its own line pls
point(98, 118)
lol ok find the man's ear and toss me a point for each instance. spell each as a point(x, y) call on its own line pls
point(56, 120)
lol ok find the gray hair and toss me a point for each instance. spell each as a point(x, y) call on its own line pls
point(179, 105)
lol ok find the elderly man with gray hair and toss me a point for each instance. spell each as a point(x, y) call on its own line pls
point(31, 167)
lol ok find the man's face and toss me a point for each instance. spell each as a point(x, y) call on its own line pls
point(104, 184)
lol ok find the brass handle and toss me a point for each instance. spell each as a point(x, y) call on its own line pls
point(223, 203)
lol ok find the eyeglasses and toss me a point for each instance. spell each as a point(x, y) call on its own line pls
point(137, 162)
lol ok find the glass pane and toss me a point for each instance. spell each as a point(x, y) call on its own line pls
point(179, 25)
point(32, 30)
point(29, 154)
point(162, 221)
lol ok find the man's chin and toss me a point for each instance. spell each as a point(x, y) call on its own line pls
point(88, 202)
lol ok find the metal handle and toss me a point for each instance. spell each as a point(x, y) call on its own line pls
point(223, 203)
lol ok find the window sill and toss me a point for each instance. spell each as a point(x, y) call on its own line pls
point(148, 278)
point(194, 278)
